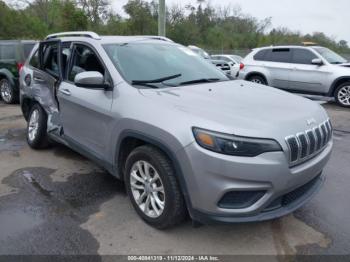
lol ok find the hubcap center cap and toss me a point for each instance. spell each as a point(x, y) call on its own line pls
point(148, 188)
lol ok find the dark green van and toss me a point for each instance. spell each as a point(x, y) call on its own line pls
point(13, 54)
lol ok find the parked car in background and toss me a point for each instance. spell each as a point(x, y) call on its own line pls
point(13, 54)
point(199, 51)
point(312, 70)
point(221, 64)
point(235, 61)
point(179, 132)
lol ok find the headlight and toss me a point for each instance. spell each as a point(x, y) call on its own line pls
point(234, 145)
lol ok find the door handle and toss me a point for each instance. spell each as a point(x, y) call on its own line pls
point(65, 92)
point(38, 79)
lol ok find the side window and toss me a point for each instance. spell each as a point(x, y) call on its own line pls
point(302, 56)
point(8, 52)
point(34, 60)
point(260, 56)
point(84, 59)
point(280, 55)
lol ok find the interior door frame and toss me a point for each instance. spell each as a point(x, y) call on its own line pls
point(59, 56)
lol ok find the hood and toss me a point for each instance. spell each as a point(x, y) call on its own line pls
point(345, 65)
point(245, 108)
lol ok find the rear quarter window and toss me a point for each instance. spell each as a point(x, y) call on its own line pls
point(260, 55)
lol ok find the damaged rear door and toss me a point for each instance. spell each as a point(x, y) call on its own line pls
point(45, 78)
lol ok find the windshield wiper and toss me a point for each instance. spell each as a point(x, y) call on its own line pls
point(154, 81)
point(201, 80)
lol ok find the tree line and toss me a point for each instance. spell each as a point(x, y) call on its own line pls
point(220, 28)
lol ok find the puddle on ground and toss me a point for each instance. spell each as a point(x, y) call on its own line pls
point(14, 222)
point(43, 216)
point(290, 233)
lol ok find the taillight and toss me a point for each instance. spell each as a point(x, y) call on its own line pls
point(19, 66)
point(241, 66)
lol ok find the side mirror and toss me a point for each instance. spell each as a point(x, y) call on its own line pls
point(91, 79)
point(317, 61)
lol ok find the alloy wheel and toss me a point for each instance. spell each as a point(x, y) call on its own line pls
point(256, 80)
point(344, 95)
point(33, 126)
point(6, 92)
point(147, 189)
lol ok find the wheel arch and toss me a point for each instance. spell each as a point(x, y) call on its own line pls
point(4, 73)
point(130, 139)
point(336, 83)
point(253, 73)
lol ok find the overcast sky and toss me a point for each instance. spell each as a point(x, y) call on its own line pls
point(306, 16)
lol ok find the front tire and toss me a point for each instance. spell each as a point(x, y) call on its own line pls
point(342, 95)
point(153, 188)
point(7, 92)
point(257, 79)
point(37, 128)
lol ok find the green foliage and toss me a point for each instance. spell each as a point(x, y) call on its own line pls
point(41, 18)
point(222, 28)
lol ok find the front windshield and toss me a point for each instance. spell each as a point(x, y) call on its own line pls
point(140, 61)
point(329, 55)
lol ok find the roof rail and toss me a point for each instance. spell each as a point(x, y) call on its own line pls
point(156, 37)
point(74, 33)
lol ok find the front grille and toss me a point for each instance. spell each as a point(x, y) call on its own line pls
point(223, 67)
point(306, 144)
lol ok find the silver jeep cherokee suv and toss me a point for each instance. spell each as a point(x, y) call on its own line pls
point(182, 135)
point(310, 70)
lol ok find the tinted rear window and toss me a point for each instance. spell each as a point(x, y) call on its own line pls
point(7, 52)
point(280, 55)
point(27, 48)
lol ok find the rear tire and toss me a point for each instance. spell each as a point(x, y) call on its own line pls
point(7, 92)
point(37, 128)
point(257, 79)
point(342, 95)
point(159, 203)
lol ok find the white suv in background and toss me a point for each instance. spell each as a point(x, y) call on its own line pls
point(310, 70)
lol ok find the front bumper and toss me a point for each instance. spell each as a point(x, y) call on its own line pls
point(209, 176)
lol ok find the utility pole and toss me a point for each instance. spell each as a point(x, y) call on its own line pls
point(161, 18)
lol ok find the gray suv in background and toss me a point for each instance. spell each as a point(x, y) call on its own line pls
point(312, 70)
point(181, 134)
point(13, 54)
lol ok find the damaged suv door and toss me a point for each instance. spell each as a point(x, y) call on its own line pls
point(42, 77)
